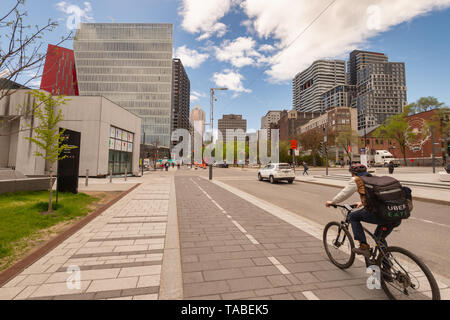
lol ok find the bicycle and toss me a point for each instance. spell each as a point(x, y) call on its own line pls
point(396, 278)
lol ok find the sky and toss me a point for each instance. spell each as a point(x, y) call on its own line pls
point(256, 47)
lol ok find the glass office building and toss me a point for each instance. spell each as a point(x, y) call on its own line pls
point(131, 65)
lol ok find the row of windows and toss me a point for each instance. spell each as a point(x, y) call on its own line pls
point(123, 87)
point(123, 55)
point(155, 129)
point(151, 112)
point(135, 71)
point(117, 96)
point(123, 78)
point(122, 46)
point(125, 32)
point(143, 104)
point(155, 121)
point(124, 63)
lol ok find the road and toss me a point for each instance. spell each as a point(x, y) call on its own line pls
point(426, 233)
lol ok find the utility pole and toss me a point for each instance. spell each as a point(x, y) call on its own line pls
point(211, 119)
point(326, 148)
point(432, 149)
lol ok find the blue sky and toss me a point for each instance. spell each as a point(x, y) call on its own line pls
point(250, 46)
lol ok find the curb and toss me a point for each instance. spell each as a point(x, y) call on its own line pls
point(442, 202)
point(15, 269)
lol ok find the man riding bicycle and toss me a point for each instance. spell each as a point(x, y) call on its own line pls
point(357, 185)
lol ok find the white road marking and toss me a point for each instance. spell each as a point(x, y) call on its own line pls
point(279, 266)
point(431, 222)
point(309, 295)
point(250, 237)
point(239, 226)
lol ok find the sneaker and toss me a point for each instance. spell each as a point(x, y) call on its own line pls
point(364, 249)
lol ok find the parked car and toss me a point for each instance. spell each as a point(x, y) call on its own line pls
point(275, 172)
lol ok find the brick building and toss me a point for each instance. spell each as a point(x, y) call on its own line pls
point(418, 153)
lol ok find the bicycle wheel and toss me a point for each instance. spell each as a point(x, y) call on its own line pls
point(338, 245)
point(405, 277)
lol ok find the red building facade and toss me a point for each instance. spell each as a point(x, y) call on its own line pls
point(59, 76)
point(418, 152)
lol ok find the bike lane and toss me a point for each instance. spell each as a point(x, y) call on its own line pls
point(233, 249)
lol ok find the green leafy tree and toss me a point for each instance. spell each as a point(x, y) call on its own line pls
point(424, 104)
point(346, 138)
point(46, 134)
point(311, 140)
point(397, 128)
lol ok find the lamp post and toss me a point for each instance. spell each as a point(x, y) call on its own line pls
point(211, 119)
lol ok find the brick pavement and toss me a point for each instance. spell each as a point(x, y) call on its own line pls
point(232, 249)
point(119, 253)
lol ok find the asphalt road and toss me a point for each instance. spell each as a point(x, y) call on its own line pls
point(426, 233)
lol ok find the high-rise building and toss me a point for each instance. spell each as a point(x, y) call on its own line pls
point(59, 75)
point(359, 59)
point(181, 96)
point(232, 122)
point(130, 64)
point(272, 116)
point(291, 121)
point(310, 84)
point(197, 114)
point(381, 93)
point(340, 96)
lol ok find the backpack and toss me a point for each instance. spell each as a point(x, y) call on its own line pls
point(387, 198)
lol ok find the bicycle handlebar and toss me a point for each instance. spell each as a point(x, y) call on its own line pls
point(347, 207)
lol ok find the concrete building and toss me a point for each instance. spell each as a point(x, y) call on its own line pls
point(272, 116)
point(291, 121)
point(359, 59)
point(197, 114)
point(181, 91)
point(334, 119)
point(59, 75)
point(110, 135)
point(131, 65)
point(381, 93)
point(232, 122)
point(339, 96)
point(310, 84)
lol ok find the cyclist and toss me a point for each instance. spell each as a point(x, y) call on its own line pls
point(357, 185)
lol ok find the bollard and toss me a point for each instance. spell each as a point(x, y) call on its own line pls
point(125, 174)
point(87, 178)
point(110, 175)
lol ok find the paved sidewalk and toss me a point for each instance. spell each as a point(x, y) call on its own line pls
point(233, 249)
point(119, 254)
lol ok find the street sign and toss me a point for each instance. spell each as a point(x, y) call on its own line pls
point(68, 167)
point(294, 144)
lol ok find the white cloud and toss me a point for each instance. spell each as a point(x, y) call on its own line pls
point(195, 95)
point(189, 57)
point(200, 16)
point(346, 25)
point(266, 48)
point(231, 80)
point(75, 13)
point(239, 52)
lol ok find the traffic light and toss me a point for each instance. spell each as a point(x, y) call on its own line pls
point(321, 148)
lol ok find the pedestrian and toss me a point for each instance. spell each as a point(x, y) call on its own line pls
point(167, 166)
point(391, 167)
point(173, 165)
point(305, 168)
point(178, 166)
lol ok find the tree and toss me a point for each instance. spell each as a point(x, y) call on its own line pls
point(47, 136)
point(310, 140)
point(397, 128)
point(345, 139)
point(424, 104)
point(21, 47)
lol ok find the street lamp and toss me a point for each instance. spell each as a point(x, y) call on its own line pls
point(211, 119)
